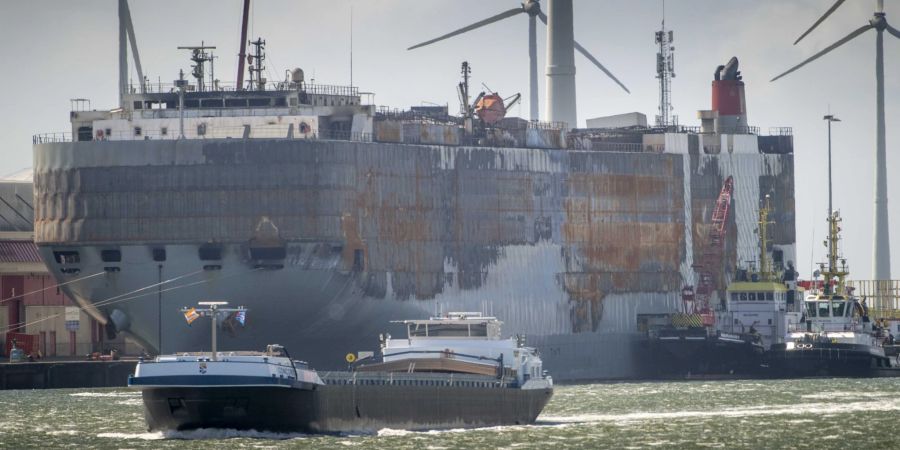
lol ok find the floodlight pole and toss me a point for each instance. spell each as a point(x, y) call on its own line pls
point(212, 312)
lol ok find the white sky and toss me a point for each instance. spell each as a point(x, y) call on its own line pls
point(57, 50)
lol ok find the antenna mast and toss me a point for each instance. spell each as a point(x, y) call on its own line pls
point(200, 57)
point(665, 71)
point(256, 64)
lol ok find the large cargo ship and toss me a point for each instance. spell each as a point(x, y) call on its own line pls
point(329, 217)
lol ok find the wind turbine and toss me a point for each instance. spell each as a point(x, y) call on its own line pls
point(533, 9)
point(881, 264)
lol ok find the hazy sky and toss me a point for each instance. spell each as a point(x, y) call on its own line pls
point(57, 50)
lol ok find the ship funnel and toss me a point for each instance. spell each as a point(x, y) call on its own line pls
point(729, 107)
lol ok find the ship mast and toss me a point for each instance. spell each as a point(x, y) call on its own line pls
point(765, 268)
point(833, 274)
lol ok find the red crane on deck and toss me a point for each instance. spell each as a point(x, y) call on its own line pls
point(709, 265)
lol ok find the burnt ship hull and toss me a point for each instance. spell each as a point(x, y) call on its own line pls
point(568, 246)
point(400, 402)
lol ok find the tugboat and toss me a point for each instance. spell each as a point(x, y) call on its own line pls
point(450, 372)
point(759, 304)
point(835, 336)
point(754, 314)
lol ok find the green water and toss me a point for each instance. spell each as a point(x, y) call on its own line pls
point(826, 413)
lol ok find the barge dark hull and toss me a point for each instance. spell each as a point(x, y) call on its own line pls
point(341, 408)
point(830, 360)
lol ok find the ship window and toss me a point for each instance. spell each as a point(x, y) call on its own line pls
point(838, 308)
point(743, 296)
point(159, 254)
point(770, 296)
point(210, 252)
point(108, 132)
point(164, 131)
point(211, 103)
point(137, 131)
point(770, 321)
point(236, 102)
point(66, 257)
point(751, 296)
point(811, 309)
point(201, 129)
point(734, 296)
point(111, 255)
point(138, 104)
point(258, 102)
point(85, 133)
point(280, 101)
point(823, 309)
point(192, 103)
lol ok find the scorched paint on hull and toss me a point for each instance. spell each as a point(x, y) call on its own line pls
point(568, 246)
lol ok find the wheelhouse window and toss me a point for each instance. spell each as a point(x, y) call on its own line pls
point(811, 309)
point(837, 308)
point(447, 330)
point(823, 309)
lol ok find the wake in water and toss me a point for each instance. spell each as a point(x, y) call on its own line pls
point(106, 394)
point(204, 433)
point(820, 409)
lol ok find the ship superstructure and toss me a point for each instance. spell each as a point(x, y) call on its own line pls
point(330, 217)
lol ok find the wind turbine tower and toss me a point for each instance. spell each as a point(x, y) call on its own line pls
point(561, 64)
point(665, 71)
point(881, 258)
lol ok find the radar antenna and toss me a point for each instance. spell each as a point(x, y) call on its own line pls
point(200, 57)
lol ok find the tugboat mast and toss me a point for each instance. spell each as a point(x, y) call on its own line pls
point(834, 230)
point(765, 269)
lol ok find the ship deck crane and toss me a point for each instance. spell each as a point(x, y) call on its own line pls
point(708, 267)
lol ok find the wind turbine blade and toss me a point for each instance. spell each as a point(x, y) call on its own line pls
point(589, 56)
point(597, 63)
point(893, 31)
point(475, 25)
point(835, 6)
point(831, 47)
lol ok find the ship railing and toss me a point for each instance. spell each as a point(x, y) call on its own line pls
point(309, 88)
point(781, 131)
point(258, 132)
point(882, 297)
point(51, 138)
point(585, 143)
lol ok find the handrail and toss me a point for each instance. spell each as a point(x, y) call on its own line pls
point(258, 132)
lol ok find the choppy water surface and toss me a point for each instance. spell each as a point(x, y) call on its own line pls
point(827, 413)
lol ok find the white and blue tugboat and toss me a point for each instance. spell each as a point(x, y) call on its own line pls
point(836, 336)
point(450, 372)
point(240, 390)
